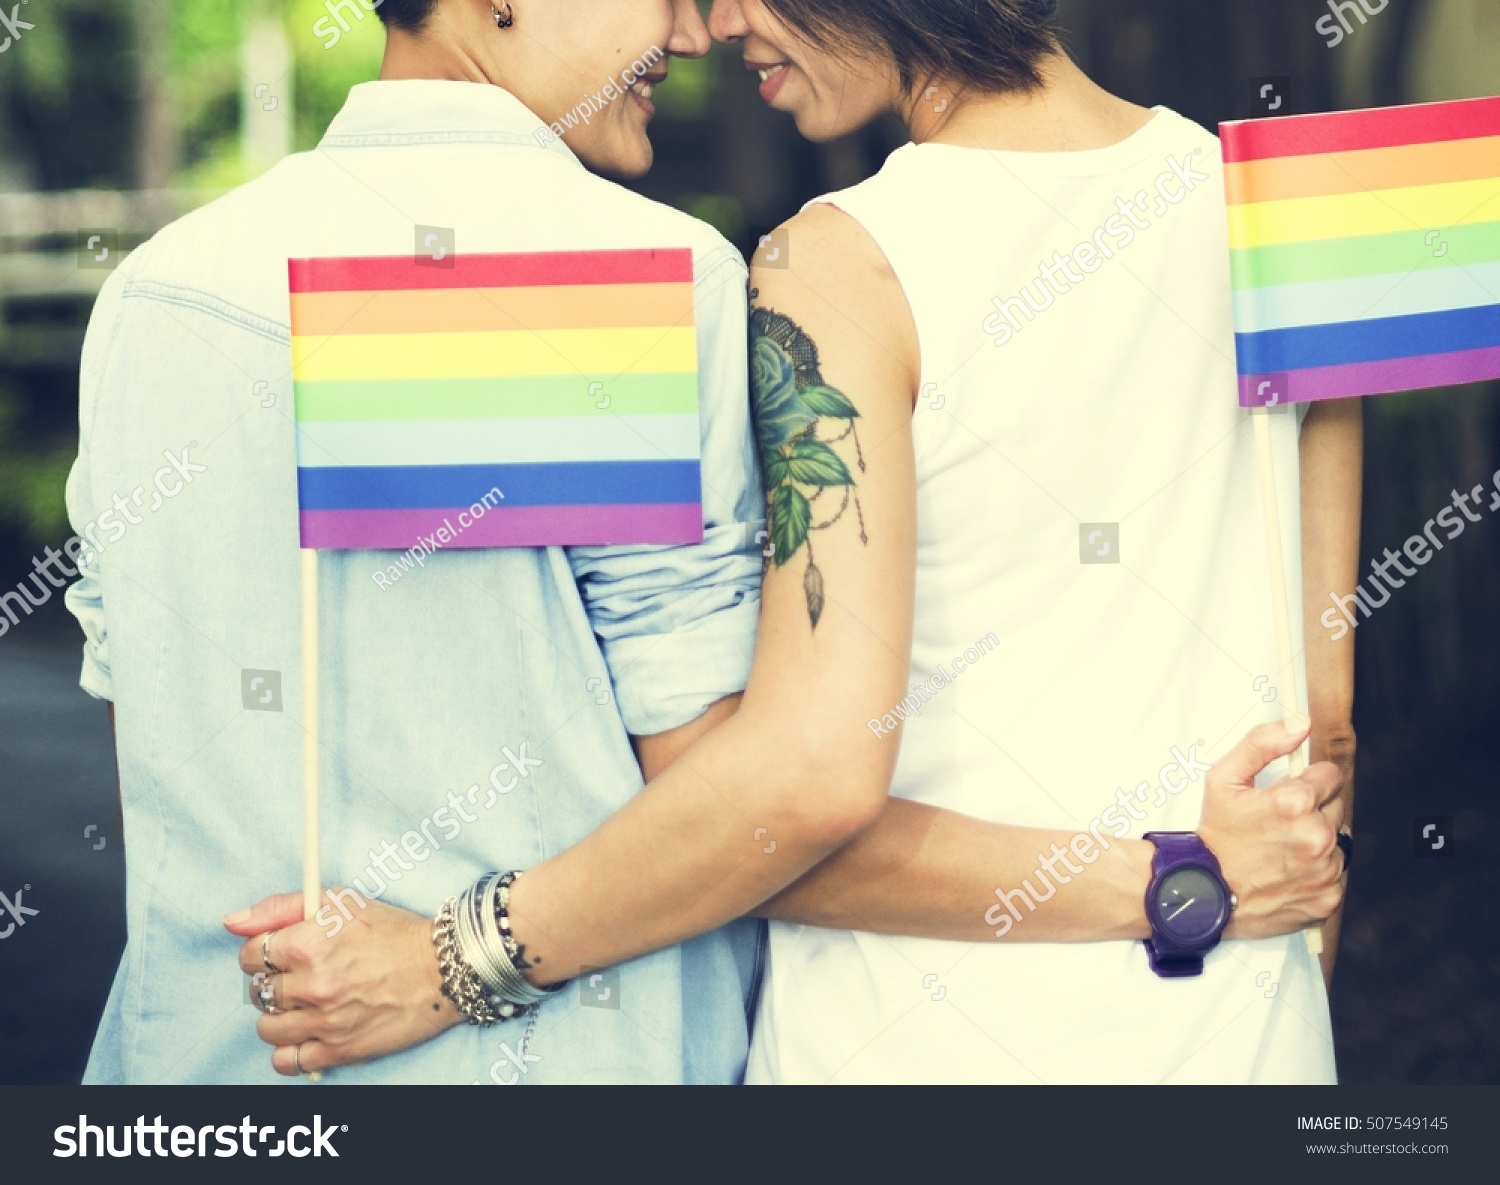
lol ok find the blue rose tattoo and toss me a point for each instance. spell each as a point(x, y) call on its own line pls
point(791, 403)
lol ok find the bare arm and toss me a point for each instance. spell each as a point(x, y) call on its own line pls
point(926, 872)
point(1332, 453)
point(796, 763)
point(656, 753)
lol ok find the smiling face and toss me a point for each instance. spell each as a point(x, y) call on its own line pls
point(560, 55)
point(829, 91)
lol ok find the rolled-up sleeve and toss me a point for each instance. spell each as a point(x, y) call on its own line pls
point(677, 624)
point(85, 597)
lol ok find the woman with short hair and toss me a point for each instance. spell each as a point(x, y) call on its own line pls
point(1022, 324)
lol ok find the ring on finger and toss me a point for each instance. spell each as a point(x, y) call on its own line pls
point(297, 1058)
point(265, 954)
point(263, 992)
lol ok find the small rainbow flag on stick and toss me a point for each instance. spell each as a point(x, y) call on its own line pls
point(529, 400)
point(1365, 250)
point(514, 400)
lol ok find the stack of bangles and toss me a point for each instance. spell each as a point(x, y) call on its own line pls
point(477, 957)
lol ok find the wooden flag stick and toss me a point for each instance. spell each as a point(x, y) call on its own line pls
point(312, 873)
point(1287, 680)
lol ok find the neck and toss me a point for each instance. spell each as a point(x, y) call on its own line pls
point(427, 55)
point(1069, 112)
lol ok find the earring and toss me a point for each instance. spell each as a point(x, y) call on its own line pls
point(503, 20)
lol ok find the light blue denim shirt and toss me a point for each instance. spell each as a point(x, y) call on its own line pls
point(476, 712)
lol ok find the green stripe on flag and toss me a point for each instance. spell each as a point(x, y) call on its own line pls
point(498, 398)
point(1367, 255)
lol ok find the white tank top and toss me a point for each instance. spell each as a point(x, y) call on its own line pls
point(1091, 605)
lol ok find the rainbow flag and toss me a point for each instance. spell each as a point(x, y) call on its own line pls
point(506, 400)
point(1365, 250)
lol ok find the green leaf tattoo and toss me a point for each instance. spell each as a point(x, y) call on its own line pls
point(791, 403)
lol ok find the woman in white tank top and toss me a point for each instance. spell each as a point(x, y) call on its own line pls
point(995, 397)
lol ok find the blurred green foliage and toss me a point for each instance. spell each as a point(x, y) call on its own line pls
point(31, 495)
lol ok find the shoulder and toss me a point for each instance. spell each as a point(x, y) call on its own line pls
point(623, 214)
point(228, 257)
point(837, 273)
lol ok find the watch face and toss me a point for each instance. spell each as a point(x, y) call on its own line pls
point(1190, 905)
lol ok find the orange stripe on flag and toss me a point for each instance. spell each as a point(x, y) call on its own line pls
point(1369, 170)
point(480, 310)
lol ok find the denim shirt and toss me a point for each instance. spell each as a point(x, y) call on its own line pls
point(477, 710)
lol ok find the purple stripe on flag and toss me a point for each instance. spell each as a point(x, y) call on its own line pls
point(503, 526)
point(1371, 378)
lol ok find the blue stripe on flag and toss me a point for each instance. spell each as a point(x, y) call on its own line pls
point(1280, 350)
point(562, 484)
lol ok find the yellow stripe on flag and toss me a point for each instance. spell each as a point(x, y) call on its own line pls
point(1351, 215)
point(504, 354)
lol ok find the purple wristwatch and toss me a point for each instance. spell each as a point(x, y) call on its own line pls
point(1188, 904)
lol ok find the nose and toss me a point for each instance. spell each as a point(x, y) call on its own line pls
point(727, 22)
point(690, 37)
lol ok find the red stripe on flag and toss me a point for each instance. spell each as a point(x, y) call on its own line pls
point(550, 269)
point(1351, 131)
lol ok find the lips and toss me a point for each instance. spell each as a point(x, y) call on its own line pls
point(643, 88)
point(773, 77)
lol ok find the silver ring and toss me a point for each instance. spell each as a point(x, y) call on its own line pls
point(263, 993)
point(297, 1058)
point(265, 954)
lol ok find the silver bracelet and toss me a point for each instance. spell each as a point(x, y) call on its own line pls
point(483, 962)
point(461, 984)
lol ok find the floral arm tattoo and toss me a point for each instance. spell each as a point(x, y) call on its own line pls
point(793, 408)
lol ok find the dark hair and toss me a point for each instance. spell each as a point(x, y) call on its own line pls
point(410, 15)
point(991, 45)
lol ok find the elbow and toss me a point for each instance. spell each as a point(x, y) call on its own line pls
point(849, 815)
point(821, 786)
point(832, 808)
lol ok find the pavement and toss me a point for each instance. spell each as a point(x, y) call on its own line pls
point(60, 848)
